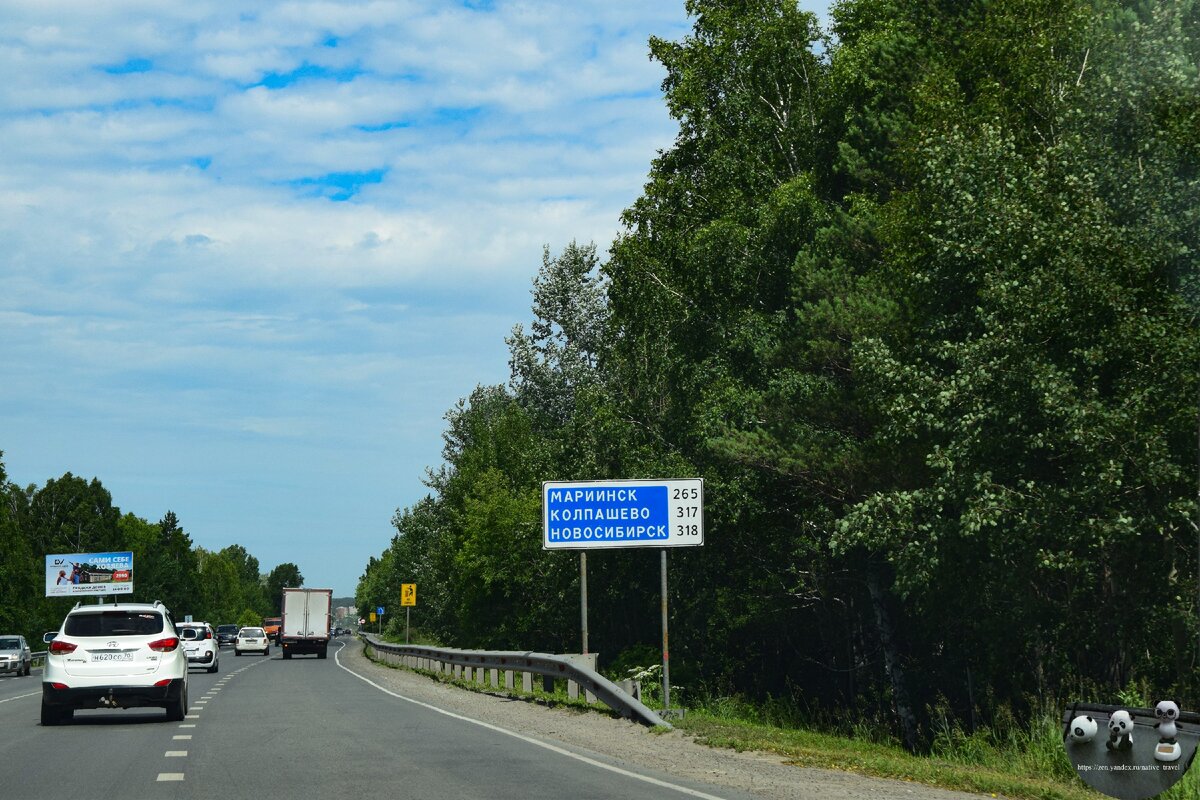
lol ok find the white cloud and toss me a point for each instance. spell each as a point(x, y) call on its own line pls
point(178, 278)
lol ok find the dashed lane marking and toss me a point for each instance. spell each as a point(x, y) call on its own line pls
point(19, 697)
point(175, 754)
point(170, 776)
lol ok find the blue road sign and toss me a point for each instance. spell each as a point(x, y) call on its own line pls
point(622, 513)
point(379, 611)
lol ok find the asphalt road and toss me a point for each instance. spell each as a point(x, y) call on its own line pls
point(306, 727)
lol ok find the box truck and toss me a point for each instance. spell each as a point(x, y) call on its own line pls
point(306, 619)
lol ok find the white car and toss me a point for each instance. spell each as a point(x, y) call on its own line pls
point(252, 640)
point(122, 655)
point(201, 645)
point(15, 655)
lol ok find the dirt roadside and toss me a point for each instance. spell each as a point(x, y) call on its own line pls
point(636, 748)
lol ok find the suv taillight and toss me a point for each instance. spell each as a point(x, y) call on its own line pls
point(62, 647)
point(164, 645)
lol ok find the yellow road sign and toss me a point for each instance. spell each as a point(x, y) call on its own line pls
point(373, 617)
point(408, 594)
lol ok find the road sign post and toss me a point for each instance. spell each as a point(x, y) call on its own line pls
point(408, 599)
point(591, 515)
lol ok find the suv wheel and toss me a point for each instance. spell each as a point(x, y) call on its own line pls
point(53, 715)
point(213, 668)
point(177, 708)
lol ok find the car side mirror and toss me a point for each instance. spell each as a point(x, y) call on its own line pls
point(48, 636)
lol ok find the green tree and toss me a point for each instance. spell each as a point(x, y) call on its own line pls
point(19, 607)
point(250, 582)
point(285, 575)
point(557, 359)
point(169, 571)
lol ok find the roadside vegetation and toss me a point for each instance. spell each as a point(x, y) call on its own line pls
point(71, 514)
point(918, 296)
point(1018, 758)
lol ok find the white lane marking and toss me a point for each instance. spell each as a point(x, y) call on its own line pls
point(193, 716)
point(175, 754)
point(182, 736)
point(170, 776)
point(20, 696)
point(187, 726)
point(544, 745)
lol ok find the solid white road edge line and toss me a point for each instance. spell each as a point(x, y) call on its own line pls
point(544, 745)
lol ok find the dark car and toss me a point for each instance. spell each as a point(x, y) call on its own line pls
point(226, 634)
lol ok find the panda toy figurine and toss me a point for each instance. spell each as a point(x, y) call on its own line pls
point(1168, 748)
point(1120, 731)
point(1083, 729)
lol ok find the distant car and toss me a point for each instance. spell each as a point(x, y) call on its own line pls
point(251, 640)
point(200, 644)
point(226, 634)
point(15, 655)
point(123, 655)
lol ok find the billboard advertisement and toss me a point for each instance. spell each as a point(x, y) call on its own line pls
point(77, 574)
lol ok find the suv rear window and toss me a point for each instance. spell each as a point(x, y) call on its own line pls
point(9, 644)
point(113, 623)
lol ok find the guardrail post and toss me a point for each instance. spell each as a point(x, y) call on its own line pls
point(583, 659)
point(527, 682)
point(508, 679)
point(494, 678)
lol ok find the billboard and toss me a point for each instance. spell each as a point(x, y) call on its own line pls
point(622, 513)
point(76, 574)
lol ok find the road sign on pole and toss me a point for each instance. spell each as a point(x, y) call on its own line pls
point(408, 594)
point(623, 513)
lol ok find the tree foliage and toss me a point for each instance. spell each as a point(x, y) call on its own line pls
point(919, 300)
point(73, 515)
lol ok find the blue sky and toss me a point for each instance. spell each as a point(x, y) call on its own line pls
point(253, 252)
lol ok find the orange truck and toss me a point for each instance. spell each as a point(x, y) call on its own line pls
point(271, 626)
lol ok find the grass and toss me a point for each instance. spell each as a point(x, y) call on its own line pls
point(1013, 759)
point(805, 748)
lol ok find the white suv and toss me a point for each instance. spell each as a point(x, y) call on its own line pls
point(200, 644)
point(123, 655)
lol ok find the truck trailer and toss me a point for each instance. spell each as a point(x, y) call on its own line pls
point(306, 621)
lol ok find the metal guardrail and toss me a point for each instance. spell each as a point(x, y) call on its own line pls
point(550, 667)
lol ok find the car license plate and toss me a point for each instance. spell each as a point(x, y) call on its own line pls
point(112, 656)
